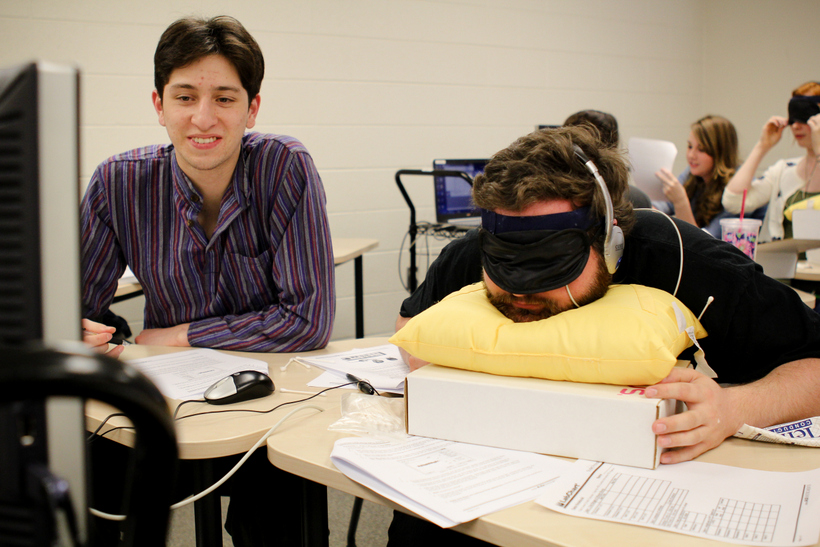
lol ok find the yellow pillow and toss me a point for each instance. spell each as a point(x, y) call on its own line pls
point(631, 336)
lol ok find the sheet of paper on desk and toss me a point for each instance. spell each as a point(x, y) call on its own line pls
point(382, 366)
point(445, 482)
point(699, 499)
point(187, 374)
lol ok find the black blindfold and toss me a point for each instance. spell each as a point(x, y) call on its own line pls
point(527, 255)
point(803, 107)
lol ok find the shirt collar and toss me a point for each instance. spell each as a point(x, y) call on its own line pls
point(240, 188)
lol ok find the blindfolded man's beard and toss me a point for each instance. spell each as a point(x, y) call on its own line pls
point(547, 307)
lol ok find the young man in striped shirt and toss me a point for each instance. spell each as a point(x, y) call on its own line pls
point(226, 232)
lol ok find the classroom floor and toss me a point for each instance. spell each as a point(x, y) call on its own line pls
point(371, 532)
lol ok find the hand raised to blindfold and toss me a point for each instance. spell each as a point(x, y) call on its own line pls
point(814, 125)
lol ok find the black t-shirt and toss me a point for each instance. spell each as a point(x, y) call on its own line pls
point(755, 323)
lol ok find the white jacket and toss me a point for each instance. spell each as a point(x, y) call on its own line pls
point(776, 185)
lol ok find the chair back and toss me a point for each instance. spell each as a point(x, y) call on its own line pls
point(28, 377)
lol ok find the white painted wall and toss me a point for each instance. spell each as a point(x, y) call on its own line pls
point(755, 52)
point(373, 86)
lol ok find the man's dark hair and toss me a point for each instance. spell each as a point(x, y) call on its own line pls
point(190, 38)
point(543, 166)
point(606, 124)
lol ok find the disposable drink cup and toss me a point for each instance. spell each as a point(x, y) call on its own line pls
point(741, 233)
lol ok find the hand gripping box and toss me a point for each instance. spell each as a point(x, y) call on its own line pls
point(590, 421)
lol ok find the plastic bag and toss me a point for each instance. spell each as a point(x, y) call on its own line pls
point(371, 415)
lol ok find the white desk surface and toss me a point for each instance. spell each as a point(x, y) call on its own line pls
point(345, 249)
point(807, 271)
point(226, 434)
point(305, 451)
point(303, 444)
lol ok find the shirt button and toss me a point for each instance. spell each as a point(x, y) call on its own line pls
point(190, 223)
point(195, 198)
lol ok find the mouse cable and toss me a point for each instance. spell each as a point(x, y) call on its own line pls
point(97, 431)
point(228, 475)
point(254, 411)
point(176, 410)
point(362, 385)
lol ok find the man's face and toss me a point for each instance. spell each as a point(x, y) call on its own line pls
point(206, 110)
point(591, 285)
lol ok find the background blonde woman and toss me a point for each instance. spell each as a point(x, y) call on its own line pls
point(712, 158)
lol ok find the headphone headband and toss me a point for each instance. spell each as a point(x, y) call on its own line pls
point(614, 239)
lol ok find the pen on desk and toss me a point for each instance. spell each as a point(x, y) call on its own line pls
point(363, 385)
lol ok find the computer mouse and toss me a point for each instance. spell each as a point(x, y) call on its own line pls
point(239, 386)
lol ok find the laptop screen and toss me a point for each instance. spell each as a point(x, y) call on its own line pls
point(453, 201)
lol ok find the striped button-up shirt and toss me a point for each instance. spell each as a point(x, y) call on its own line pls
point(264, 281)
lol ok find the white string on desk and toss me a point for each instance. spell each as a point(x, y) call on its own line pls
point(227, 475)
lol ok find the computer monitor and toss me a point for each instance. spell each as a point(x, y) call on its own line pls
point(453, 197)
point(40, 294)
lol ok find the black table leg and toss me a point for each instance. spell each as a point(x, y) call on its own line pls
point(208, 510)
point(315, 531)
point(357, 269)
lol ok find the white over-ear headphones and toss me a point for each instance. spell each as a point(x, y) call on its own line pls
point(614, 240)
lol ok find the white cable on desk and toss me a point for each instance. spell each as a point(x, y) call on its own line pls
point(227, 476)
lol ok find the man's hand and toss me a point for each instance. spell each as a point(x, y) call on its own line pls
point(96, 336)
point(171, 336)
point(412, 362)
point(710, 417)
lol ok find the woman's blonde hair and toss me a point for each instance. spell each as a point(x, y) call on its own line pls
point(718, 138)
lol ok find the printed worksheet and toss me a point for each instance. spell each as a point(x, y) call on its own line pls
point(445, 482)
point(700, 499)
point(382, 366)
point(187, 374)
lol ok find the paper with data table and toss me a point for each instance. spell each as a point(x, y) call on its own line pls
point(706, 500)
point(443, 481)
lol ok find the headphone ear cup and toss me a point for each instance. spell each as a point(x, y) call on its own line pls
point(615, 250)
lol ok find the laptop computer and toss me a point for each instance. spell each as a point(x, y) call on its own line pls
point(454, 204)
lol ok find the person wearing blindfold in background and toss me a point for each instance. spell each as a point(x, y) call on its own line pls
point(787, 182)
point(549, 243)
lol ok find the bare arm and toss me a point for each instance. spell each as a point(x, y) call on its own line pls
point(171, 336)
point(814, 125)
point(413, 362)
point(769, 136)
point(714, 413)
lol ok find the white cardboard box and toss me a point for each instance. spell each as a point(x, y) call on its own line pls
point(589, 421)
